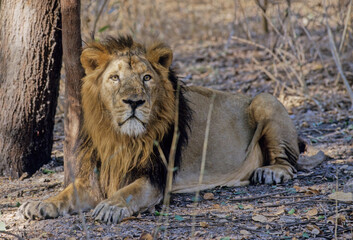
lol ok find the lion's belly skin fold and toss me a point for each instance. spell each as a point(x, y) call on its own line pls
point(229, 136)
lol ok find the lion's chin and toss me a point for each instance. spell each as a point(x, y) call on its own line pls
point(132, 127)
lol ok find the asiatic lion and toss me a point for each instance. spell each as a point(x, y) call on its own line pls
point(129, 99)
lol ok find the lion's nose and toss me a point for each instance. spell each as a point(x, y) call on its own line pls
point(134, 103)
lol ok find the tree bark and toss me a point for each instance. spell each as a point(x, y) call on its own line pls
point(30, 63)
point(72, 44)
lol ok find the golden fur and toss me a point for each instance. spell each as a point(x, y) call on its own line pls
point(129, 104)
point(117, 161)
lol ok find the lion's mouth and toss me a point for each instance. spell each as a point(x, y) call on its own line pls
point(132, 117)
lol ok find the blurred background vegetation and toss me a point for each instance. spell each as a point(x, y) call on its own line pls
point(278, 46)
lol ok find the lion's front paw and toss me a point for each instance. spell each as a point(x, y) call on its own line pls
point(272, 174)
point(110, 213)
point(38, 210)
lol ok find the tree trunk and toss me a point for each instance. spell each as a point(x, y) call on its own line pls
point(71, 31)
point(30, 63)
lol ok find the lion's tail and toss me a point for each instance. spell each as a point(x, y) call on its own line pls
point(258, 134)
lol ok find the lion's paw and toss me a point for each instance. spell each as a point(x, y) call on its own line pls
point(110, 213)
point(273, 174)
point(38, 210)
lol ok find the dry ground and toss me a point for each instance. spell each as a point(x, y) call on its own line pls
point(295, 64)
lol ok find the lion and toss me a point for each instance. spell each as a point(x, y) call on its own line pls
point(130, 99)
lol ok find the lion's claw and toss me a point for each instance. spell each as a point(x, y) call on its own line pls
point(110, 213)
point(38, 210)
point(272, 174)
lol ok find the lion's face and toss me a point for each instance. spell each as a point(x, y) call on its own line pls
point(131, 82)
point(129, 90)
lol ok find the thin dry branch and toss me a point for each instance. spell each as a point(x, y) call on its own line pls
point(348, 18)
point(97, 18)
point(246, 28)
point(274, 55)
point(338, 64)
point(272, 77)
point(203, 160)
point(172, 150)
point(171, 162)
point(263, 13)
point(11, 234)
point(80, 212)
point(259, 197)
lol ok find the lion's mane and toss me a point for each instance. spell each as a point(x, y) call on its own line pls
point(119, 159)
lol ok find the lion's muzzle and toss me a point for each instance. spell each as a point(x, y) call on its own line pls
point(134, 103)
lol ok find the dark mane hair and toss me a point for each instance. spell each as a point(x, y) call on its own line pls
point(158, 174)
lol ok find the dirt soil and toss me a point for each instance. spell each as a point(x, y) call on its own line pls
point(302, 208)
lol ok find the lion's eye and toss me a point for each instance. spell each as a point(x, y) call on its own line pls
point(114, 78)
point(147, 77)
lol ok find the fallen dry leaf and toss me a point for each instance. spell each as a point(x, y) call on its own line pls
point(313, 190)
point(299, 189)
point(260, 218)
point(208, 196)
point(312, 212)
point(248, 206)
point(146, 236)
point(216, 206)
point(244, 232)
point(315, 231)
point(340, 219)
point(308, 191)
point(310, 227)
point(341, 196)
point(279, 212)
point(204, 224)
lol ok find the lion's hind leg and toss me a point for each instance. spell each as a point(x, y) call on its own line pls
point(278, 140)
point(72, 199)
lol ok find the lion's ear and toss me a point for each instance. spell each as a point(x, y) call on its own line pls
point(161, 54)
point(94, 56)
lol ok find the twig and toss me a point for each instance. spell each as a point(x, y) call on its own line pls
point(97, 18)
point(273, 78)
point(338, 64)
point(232, 30)
point(268, 20)
point(173, 149)
point(78, 203)
point(292, 196)
point(293, 203)
point(203, 160)
point(257, 197)
point(170, 167)
point(264, 9)
point(281, 21)
point(343, 38)
point(348, 17)
point(336, 205)
point(248, 33)
point(161, 153)
point(267, 50)
point(83, 220)
point(317, 50)
point(11, 234)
